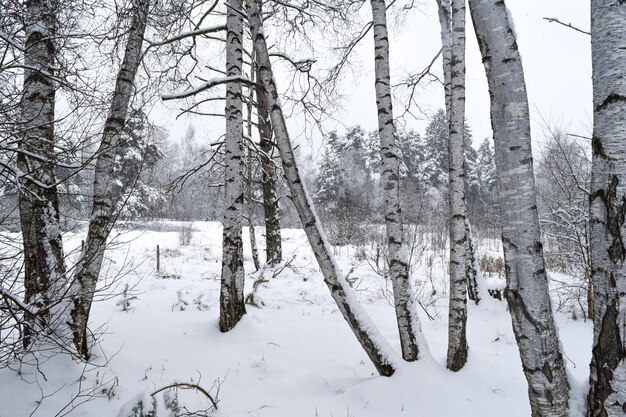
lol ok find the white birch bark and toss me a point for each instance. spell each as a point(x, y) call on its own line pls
point(607, 393)
point(232, 305)
point(444, 12)
point(106, 190)
point(367, 334)
point(397, 252)
point(44, 266)
point(445, 16)
point(527, 286)
point(457, 312)
point(271, 208)
point(471, 265)
point(250, 178)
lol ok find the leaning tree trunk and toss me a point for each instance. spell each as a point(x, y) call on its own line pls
point(607, 385)
point(44, 266)
point(457, 312)
point(273, 240)
point(232, 303)
point(527, 284)
point(408, 322)
point(107, 191)
point(367, 334)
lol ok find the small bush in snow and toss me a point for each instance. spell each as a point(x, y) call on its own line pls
point(127, 297)
point(185, 235)
point(200, 303)
point(181, 304)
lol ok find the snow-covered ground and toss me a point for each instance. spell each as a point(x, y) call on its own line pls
point(295, 356)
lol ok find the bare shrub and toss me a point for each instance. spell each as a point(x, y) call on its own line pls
point(185, 234)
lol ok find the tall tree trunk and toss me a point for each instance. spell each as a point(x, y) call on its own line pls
point(232, 303)
point(44, 266)
point(444, 11)
point(367, 334)
point(457, 312)
point(607, 385)
point(527, 285)
point(406, 316)
point(445, 17)
point(106, 190)
point(273, 239)
point(250, 178)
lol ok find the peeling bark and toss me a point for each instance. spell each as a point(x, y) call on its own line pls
point(607, 383)
point(527, 285)
point(366, 333)
point(107, 191)
point(232, 303)
point(406, 316)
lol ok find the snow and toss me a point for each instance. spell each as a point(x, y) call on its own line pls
point(296, 356)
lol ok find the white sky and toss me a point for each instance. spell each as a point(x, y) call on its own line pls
point(556, 59)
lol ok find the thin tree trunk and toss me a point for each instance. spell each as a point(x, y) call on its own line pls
point(457, 312)
point(444, 10)
point(527, 284)
point(232, 303)
point(367, 334)
point(44, 266)
point(273, 239)
point(471, 265)
point(250, 180)
point(607, 384)
point(406, 316)
point(106, 190)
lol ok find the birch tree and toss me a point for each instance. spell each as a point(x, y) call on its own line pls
point(44, 265)
point(232, 305)
point(273, 240)
point(107, 189)
point(271, 208)
point(367, 334)
point(527, 285)
point(406, 317)
point(457, 315)
point(448, 37)
point(607, 393)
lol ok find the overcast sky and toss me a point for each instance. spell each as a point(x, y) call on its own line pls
point(556, 59)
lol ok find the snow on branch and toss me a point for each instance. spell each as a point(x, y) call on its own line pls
point(190, 34)
point(16, 300)
point(5, 37)
point(213, 82)
point(302, 65)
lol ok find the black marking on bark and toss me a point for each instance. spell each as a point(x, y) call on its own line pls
point(547, 371)
point(519, 309)
point(610, 99)
point(616, 209)
point(597, 149)
point(606, 356)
